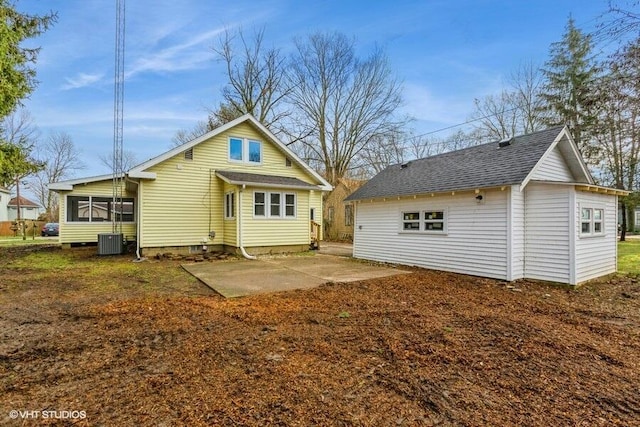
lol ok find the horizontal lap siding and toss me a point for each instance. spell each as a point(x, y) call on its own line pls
point(547, 248)
point(517, 233)
point(275, 231)
point(178, 204)
point(87, 232)
point(230, 225)
point(475, 243)
point(553, 168)
point(596, 256)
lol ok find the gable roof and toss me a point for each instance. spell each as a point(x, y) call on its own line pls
point(140, 171)
point(482, 166)
point(68, 185)
point(24, 203)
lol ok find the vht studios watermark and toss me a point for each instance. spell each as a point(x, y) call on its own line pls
point(59, 415)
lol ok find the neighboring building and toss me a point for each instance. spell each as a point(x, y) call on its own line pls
point(522, 208)
point(28, 209)
point(235, 188)
point(338, 216)
point(5, 196)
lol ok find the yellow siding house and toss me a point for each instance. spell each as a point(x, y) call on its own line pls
point(236, 188)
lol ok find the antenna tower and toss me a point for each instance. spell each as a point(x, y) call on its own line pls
point(118, 104)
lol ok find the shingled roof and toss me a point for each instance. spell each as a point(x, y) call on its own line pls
point(481, 166)
point(239, 178)
point(24, 203)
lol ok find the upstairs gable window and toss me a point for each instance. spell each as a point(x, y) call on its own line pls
point(245, 150)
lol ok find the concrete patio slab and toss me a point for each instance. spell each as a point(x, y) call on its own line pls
point(237, 278)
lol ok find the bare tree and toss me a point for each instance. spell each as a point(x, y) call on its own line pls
point(617, 129)
point(621, 19)
point(218, 117)
point(517, 109)
point(526, 84)
point(19, 128)
point(129, 160)
point(382, 151)
point(61, 159)
point(256, 78)
point(343, 102)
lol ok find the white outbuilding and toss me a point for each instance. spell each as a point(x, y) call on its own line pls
point(526, 207)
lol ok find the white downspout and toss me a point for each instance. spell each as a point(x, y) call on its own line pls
point(242, 250)
point(138, 216)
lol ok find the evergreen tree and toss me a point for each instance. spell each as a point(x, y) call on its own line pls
point(567, 93)
point(18, 78)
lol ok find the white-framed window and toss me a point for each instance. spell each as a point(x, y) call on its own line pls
point(259, 201)
point(424, 221)
point(289, 205)
point(245, 150)
point(591, 221)
point(230, 205)
point(99, 209)
point(274, 205)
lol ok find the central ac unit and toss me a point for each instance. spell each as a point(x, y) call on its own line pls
point(110, 243)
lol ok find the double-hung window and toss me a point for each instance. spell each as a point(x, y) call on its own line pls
point(230, 205)
point(591, 221)
point(245, 150)
point(426, 221)
point(274, 205)
point(348, 215)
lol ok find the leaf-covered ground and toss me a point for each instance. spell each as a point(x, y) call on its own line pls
point(146, 344)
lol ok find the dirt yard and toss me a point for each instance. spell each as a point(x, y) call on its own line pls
point(113, 342)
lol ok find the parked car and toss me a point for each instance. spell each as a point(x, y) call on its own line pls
point(50, 229)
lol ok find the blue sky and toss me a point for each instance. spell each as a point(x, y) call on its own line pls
point(446, 53)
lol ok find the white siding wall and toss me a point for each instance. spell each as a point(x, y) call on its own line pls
point(476, 242)
point(547, 237)
point(517, 214)
point(596, 256)
point(553, 168)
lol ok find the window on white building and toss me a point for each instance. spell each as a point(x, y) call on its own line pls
point(431, 221)
point(591, 221)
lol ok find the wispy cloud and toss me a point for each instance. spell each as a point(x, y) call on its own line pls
point(422, 104)
point(191, 54)
point(81, 80)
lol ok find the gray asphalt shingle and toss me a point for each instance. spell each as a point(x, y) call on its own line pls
point(482, 166)
point(255, 178)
